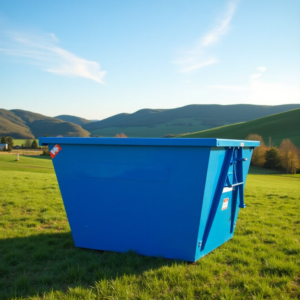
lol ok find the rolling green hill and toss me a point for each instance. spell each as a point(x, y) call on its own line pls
point(21, 124)
point(143, 123)
point(73, 119)
point(159, 122)
point(278, 127)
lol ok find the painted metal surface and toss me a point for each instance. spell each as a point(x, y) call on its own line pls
point(175, 198)
point(183, 142)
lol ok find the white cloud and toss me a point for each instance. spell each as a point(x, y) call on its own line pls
point(222, 26)
point(257, 75)
point(197, 57)
point(262, 69)
point(260, 92)
point(41, 50)
point(54, 37)
point(199, 65)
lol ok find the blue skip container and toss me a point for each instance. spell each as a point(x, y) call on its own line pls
point(174, 198)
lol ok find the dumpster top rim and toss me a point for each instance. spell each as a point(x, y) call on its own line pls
point(188, 142)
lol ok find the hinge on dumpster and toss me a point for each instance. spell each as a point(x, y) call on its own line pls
point(234, 162)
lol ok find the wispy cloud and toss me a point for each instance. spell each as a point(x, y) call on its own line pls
point(257, 75)
point(42, 50)
point(222, 25)
point(262, 69)
point(199, 65)
point(197, 57)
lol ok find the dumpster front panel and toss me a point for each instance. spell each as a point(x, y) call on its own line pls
point(121, 198)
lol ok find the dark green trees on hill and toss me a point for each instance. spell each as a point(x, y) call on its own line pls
point(272, 157)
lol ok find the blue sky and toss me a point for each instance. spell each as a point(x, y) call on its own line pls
point(98, 58)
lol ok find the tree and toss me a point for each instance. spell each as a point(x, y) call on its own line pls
point(272, 158)
point(3, 141)
point(10, 143)
point(258, 156)
point(46, 150)
point(28, 144)
point(289, 156)
point(34, 145)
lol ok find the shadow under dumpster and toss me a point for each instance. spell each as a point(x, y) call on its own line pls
point(35, 265)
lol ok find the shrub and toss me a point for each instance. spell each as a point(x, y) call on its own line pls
point(46, 150)
point(258, 156)
point(121, 135)
point(289, 156)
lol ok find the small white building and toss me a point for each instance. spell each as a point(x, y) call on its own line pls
point(3, 147)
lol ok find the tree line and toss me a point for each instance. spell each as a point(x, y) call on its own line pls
point(286, 158)
point(29, 144)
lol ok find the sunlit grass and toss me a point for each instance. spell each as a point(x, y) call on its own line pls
point(38, 259)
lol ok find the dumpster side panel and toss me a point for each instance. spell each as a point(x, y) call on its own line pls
point(142, 198)
point(228, 206)
point(216, 159)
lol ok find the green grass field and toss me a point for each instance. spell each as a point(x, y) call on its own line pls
point(278, 127)
point(39, 261)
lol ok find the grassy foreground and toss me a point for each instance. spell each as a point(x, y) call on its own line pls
point(38, 259)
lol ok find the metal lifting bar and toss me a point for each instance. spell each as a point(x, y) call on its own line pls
point(233, 157)
point(217, 196)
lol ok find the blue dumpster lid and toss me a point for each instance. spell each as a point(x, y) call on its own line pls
point(194, 142)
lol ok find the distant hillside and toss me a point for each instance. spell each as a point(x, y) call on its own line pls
point(12, 125)
point(159, 122)
point(278, 127)
point(143, 123)
point(73, 119)
point(23, 124)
